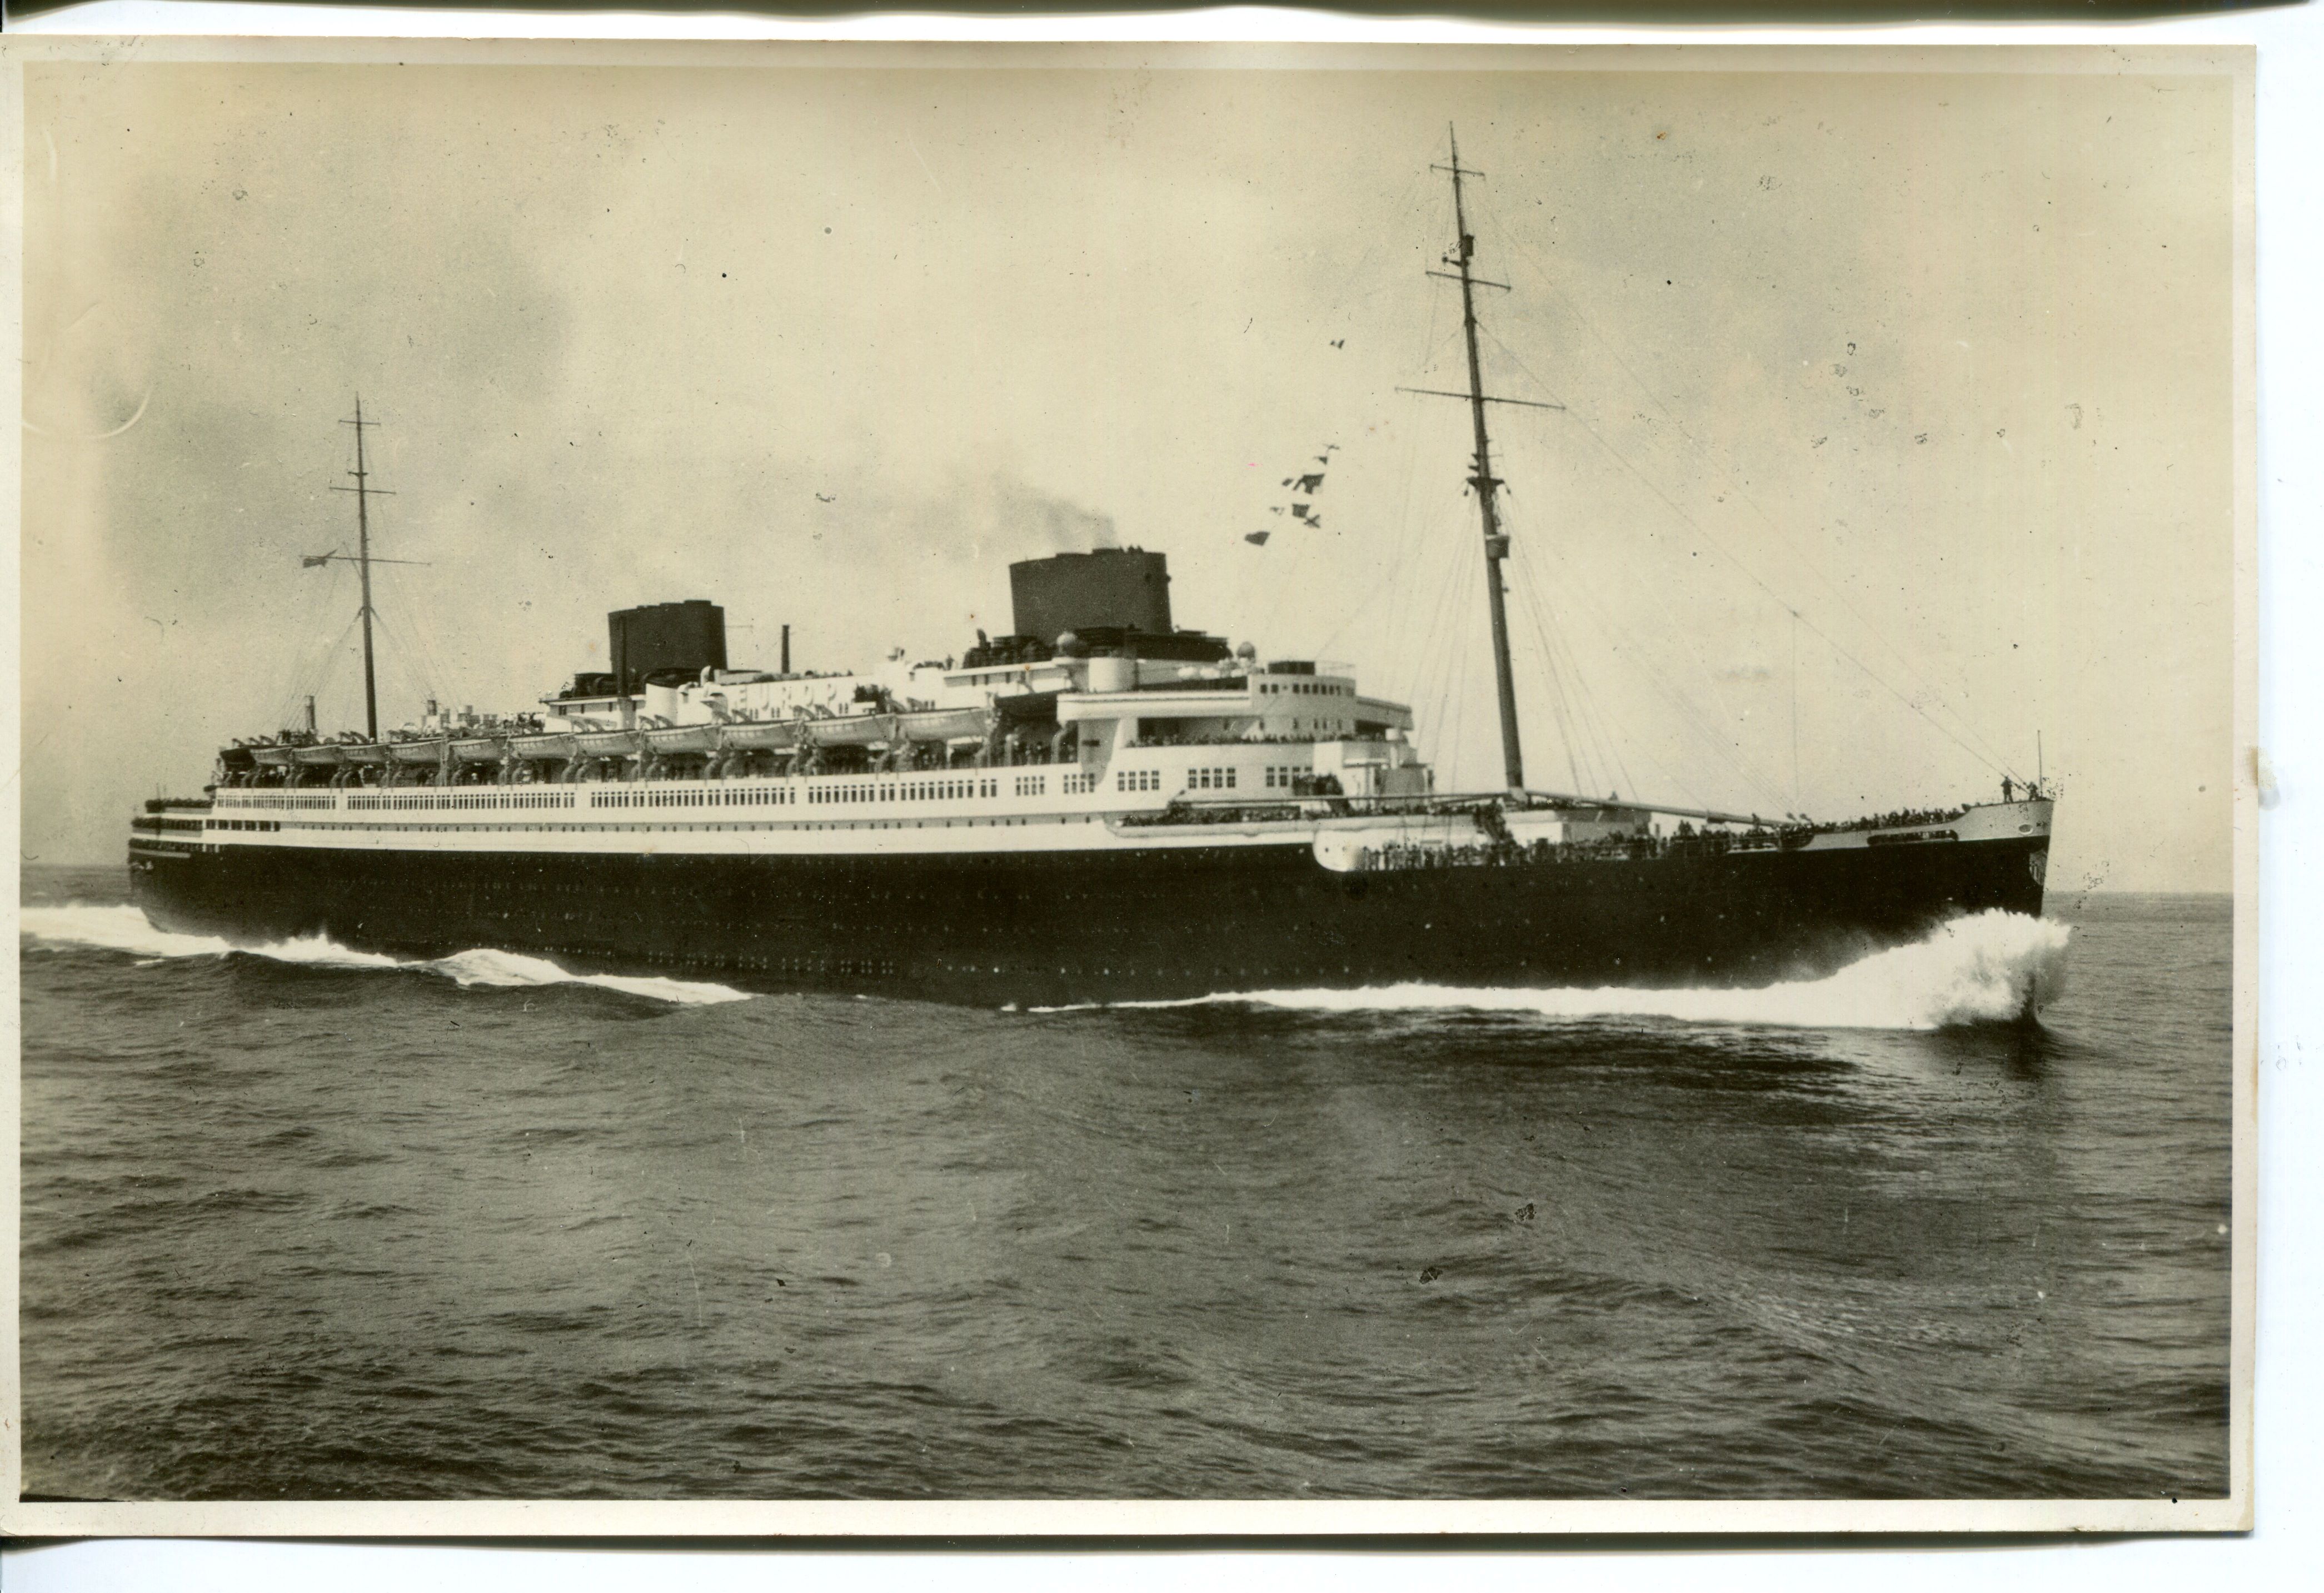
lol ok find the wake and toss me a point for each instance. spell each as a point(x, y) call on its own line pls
point(125, 929)
point(1977, 970)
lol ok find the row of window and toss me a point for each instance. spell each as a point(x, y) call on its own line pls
point(692, 796)
point(1304, 688)
point(1196, 779)
point(228, 799)
point(432, 801)
point(371, 827)
point(905, 790)
point(710, 795)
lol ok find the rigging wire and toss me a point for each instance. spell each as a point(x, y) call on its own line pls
point(1307, 546)
point(1564, 686)
point(1411, 549)
point(1983, 753)
point(1715, 739)
point(406, 656)
point(1408, 545)
point(412, 620)
point(1602, 756)
point(1428, 658)
point(330, 660)
point(310, 666)
point(410, 638)
point(1714, 733)
point(1676, 781)
point(1348, 620)
point(403, 623)
point(1446, 631)
point(1569, 684)
point(1406, 552)
point(1443, 655)
point(1773, 596)
point(1402, 206)
point(1559, 707)
point(1418, 603)
point(1695, 653)
point(1459, 678)
point(1589, 715)
point(308, 658)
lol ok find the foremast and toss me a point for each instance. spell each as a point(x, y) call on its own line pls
point(362, 489)
point(1497, 541)
point(1482, 464)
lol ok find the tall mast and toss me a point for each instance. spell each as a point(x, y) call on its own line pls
point(1497, 543)
point(363, 492)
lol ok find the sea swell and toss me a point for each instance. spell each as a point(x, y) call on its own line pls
point(290, 1231)
point(125, 929)
point(1976, 970)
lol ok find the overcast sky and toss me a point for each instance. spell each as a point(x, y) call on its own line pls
point(1882, 393)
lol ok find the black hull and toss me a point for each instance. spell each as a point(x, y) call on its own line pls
point(1065, 927)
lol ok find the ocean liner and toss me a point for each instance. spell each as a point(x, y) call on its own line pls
point(1100, 806)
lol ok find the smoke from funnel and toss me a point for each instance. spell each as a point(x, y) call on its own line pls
point(1025, 514)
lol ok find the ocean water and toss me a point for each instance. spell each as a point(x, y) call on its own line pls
point(301, 1222)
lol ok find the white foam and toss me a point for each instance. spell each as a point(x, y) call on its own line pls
point(485, 966)
point(125, 929)
point(114, 928)
point(1975, 969)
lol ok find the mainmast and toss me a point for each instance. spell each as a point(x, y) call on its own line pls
point(362, 491)
point(1497, 541)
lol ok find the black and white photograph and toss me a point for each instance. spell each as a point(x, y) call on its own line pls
point(844, 782)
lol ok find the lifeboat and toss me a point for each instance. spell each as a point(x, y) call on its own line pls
point(854, 730)
point(683, 738)
point(427, 752)
point(333, 754)
point(538, 748)
point(607, 744)
point(760, 735)
point(943, 724)
point(479, 749)
point(947, 723)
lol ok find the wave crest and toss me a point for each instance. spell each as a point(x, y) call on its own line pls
point(125, 929)
point(1976, 969)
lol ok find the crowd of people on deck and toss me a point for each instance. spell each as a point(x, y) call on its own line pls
point(1905, 818)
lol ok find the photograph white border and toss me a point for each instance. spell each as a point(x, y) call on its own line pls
point(1829, 49)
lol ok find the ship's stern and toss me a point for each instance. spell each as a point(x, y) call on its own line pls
point(165, 852)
